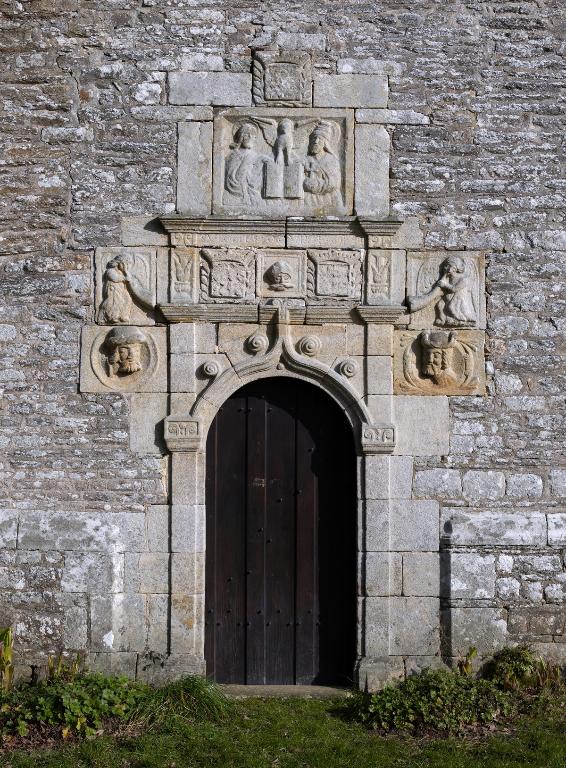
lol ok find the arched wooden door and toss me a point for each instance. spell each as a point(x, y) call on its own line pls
point(280, 538)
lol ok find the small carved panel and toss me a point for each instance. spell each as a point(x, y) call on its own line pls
point(227, 274)
point(439, 362)
point(182, 434)
point(184, 276)
point(282, 79)
point(334, 274)
point(125, 286)
point(277, 162)
point(385, 276)
point(123, 358)
point(281, 274)
point(446, 290)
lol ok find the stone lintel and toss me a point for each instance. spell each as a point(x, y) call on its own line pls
point(382, 313)
point(210, 313)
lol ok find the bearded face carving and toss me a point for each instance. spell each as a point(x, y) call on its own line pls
point(124, 350)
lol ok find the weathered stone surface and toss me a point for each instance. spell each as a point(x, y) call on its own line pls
point(438, 483)
point(557, 529)
point(485, 628)
point(117, 623)
point(222, 88)
point(423, 425)
point(467, 575)
point(466, 527)
point(391, 116)
point(379, 375)
point(146, 422)
point(157, 528)
point(480, 485)
point(142, 230)
point(8, 528)
point(372, 165)
point(348, 90)
point(194, 173)
point(413, 525)
point(558, 482)
point(383, 574)
point(93, 572)
point(524, 485)
point(421, 574)
point(102, 532)
point(414, 626)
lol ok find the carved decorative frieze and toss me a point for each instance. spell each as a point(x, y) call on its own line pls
point(446, 291)
point(334, 274)
point(227, 274)
point(281, 274)
point(443, 362)
point(276, 162)
point(125, 286)
point(123, 358)
point(282, 79)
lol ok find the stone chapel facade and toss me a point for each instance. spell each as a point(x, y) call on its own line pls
point(279, 245)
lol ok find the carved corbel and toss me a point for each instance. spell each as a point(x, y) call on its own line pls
point(183, 433)
point(377, 439)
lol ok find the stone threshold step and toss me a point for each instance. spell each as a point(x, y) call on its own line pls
point(283, 691)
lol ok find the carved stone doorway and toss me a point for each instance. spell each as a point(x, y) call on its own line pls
point(281, 538)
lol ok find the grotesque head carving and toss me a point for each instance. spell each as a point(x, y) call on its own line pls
point(279, 276)
point(124, 347)
point(437, 356)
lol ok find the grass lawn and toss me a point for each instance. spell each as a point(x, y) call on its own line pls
point(308, 733)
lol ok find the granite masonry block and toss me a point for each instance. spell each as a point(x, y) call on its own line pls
point(371, 194)
point(421, 574)
point(194, 176)
point(463, 527)
point(349, 90)
point(228, 89)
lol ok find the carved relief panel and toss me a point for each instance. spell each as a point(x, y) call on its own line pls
point(334, 274)
point(227, 274)
point(442, 362)
point(281, 274)
point(125, 286)
point(184, 274)
point(123, 358)
point(276, 162)
point(446, 290)
point(282, 79)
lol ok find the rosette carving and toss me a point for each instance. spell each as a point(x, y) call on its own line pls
point(257, 343)
point(309, 345)
point(348, 368)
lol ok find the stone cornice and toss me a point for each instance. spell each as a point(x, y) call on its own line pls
point(383, 313)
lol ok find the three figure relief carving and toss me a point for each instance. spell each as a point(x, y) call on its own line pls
point(271, 163)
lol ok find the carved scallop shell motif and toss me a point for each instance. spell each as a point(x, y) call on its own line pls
point(309, 345)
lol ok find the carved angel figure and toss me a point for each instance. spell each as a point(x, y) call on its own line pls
point(322, 167)
point(120, 284)
point(243, 172)
point(452, 294)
